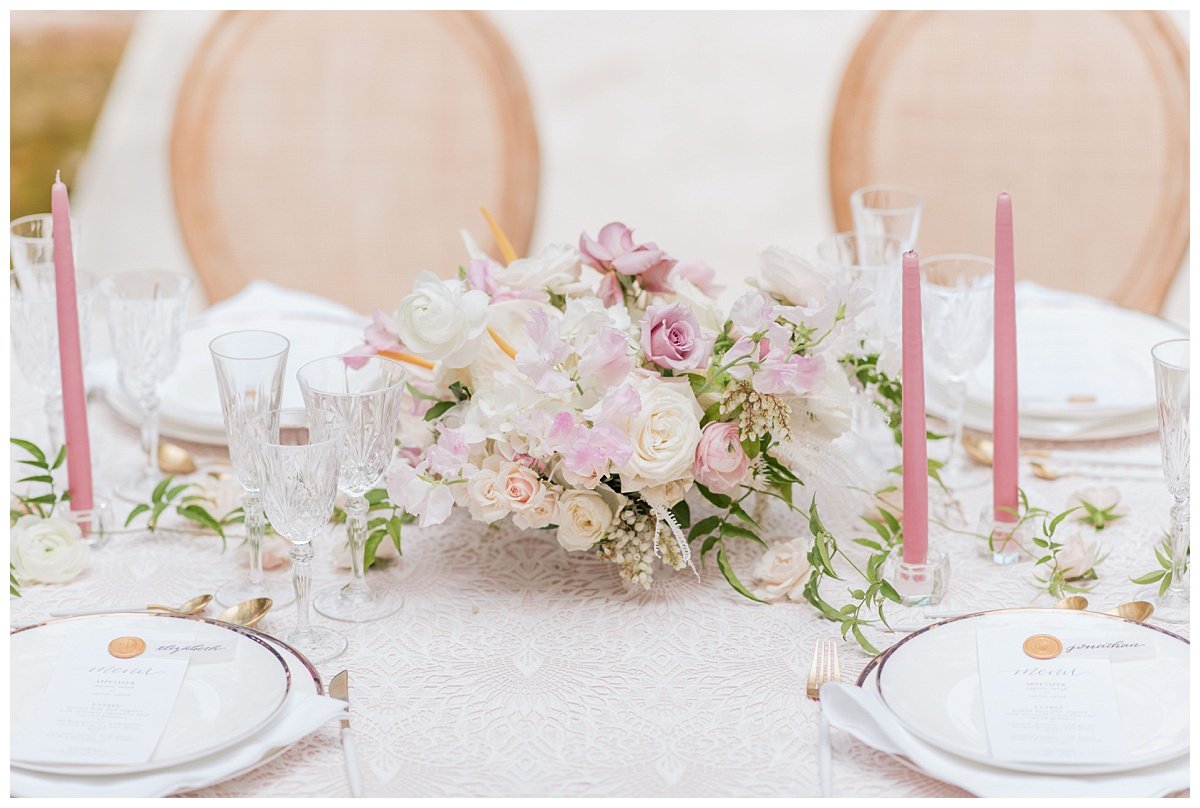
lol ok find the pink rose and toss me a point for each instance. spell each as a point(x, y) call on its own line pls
point(721, 465)
point(614, 249)
point(700, 274)
point(672, 338)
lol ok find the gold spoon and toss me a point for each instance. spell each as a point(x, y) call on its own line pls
point(1138, 611)
point(982, 450)
point(1075, 602)
point(175, 459)
point(193, 606)
point(247, 613)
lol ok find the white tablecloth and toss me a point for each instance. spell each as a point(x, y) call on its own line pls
point(516, 669)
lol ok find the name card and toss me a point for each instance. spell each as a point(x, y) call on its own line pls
point(101, 707)
point(1061, 710)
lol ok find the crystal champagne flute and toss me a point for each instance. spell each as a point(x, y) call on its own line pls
point(249, 366)
point(368, 395)
point(296, 451)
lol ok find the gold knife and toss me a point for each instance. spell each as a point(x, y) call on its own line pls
point(339, 688)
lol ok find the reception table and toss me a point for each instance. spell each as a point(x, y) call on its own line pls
point(515, 669)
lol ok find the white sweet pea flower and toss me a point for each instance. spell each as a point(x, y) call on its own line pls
point(791, 278)
point(442, 321)
point(783, 571)
point(47, 550)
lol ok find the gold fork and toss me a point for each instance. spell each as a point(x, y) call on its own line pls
point(825, 668)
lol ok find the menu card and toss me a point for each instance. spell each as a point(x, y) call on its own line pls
point(108, 700)
point(1060, 709)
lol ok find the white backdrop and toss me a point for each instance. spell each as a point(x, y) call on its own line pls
point(705, 131)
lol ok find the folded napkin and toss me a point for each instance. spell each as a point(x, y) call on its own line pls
point(258, 296)
point(302, 714)
point(860, 712)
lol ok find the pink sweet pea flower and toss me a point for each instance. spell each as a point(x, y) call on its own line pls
point(789, 374)
point(610, 291)
point(605, 358)
point(700, 274)
point(481, 274)
point(721, 464)
point(672, 338)
point(410, 489)
point(380, 335)
point(545, 349)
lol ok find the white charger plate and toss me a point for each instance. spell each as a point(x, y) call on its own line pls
point(191, 407)
point(219, 703)
point(930, 682)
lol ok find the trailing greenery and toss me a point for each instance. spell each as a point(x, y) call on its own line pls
point(188, 500)
point(1163, 575)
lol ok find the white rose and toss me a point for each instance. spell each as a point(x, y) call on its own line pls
point(783, 571)
point(792, 278)
point(664, 433)
point(584, 519)
point(47, 550)
point(1104, 497)
point(485, 496)
point(1077, 556)
point(540, 511)
point(442, 321)
point(668, 494)
point(554, 269)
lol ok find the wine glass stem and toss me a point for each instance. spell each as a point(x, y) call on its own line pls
point(356, 536)
point(54, 424)
point(255, 524)
point(149, 407)
point(301, 579)
point(956, 394)
point(1180, 540)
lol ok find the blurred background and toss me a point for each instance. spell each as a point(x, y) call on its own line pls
point(342, 152)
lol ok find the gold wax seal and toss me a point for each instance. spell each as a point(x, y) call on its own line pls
point(126, 647)
point(1043, 646)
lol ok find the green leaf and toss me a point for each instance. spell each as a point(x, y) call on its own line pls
point(889, 592)
point(37, 454)
point(62, 455)
point(438, 410)
point(44, 499)
point(135, 513)
point(731, 576)
point(730, 530)
point(719, 500)
point(858, 635)
point(38, 478)
point(705, 526)
point(371, 547)
point(1165, 585)
point(176, 491)
point(868, 543)
point(161, 489)
point(709, 543)
point(1149, 577)
point(197, 514)
point(682, 513)
point(1054, 523)
point(376, 496)
point(740, 513)
point(393, 529)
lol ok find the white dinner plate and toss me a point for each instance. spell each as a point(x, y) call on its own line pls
point(219, 703)
point(930, 682)
point(191, 407)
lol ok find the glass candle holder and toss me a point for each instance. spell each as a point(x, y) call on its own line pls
point(918, 584)
point(1005, 542)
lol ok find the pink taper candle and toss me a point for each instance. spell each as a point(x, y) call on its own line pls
point(912, 419)
point(70, 355)
point(1004, 403)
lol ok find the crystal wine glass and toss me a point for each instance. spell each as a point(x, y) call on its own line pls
point(33, 311)
point(1172, 382)
point(249, 367)
point(957, 305)
point(31, 240)
point(296, 451)
point(146, 314)
point(368, 395)
point(887, 210)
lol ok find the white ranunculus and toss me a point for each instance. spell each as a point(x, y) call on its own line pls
point(792, 278)
point(584, 518)
point(1077, 556)
point(664, 433)
point(555, 269)
point(783, 570)
point(442, 321)
point(47, 550)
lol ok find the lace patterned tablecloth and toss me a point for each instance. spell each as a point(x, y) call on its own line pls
point(517, 669)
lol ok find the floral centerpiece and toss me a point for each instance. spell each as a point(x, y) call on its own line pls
point(588, 390)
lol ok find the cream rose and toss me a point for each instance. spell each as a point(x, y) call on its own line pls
point(664, 433)
point(540, 511)
point(47, 550)
point(584, 519)
point(783, 571)
point(1077, 556)
point(442, 321)
point(486, 499)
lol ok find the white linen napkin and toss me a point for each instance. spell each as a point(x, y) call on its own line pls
point(860, 712)
point(302, 714)
point(266, 296)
